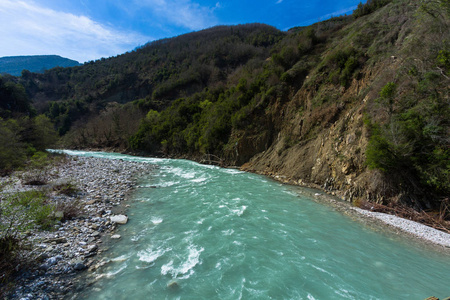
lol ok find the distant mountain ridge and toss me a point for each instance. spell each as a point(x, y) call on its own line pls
point(14, 65)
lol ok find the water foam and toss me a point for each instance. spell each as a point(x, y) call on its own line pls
point(112, 273)
point(240, 210)
point(123, 257)
point(200, 179)
point(186, 266)
point(156, 220)
point(150, 255)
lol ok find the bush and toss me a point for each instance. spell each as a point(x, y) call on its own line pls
point(37, 169)
point(443, 60)
point(379, 152)
point(387, 94)
point(343, 64)
point(369, 7)
point(44, 133)
point(20, 212)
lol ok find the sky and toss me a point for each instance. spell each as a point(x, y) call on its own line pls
point(86, 30)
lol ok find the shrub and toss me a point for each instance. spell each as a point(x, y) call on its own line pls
point(70, 208)
point(443, 60)
point(387, 94)
point(20, 212)
point(68, 189)
point(343, 64)
point(369, 7)
point(37, 169)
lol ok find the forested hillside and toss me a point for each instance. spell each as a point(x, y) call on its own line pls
point(357, 105)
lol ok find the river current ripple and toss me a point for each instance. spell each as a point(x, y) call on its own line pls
point(203, 232)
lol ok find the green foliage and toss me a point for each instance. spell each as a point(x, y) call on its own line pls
point(388, 91)
point(293, 47)
point(160, 71)
point(21, 138)
point(62, 114)
point(22, 211)
point(380, 152)
point(67, 188)
point(387, 94)
point(37, 169)
point(369, 7)
point(343, 64)
point(443, 60)
point(44, 133)
point(203, 122)
point(435, 8)
point(414, 143)
point(12, 150)
point(14, 99)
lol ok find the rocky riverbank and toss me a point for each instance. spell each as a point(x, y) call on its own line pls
point(102, 185)
point(418, 230)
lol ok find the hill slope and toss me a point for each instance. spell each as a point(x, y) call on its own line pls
point(355, 105)
point(14, 65)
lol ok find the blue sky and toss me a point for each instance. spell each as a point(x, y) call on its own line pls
point(90, 29)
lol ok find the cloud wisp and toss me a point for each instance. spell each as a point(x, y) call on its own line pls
point(29, 29)
point(327, 16)
point(184, 13)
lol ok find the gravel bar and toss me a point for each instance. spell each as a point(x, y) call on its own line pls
point(61, 254)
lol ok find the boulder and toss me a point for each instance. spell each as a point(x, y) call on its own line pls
point(173, 285)
point(79, 267)
point(119, 219)
point(92, 248)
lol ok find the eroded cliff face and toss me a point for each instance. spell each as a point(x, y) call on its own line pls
point(330, 153)
point(332, 157)
point(319, 134)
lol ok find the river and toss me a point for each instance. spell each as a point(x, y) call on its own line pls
point(204, 232)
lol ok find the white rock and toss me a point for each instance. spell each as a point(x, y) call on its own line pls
point(116, 236)
point(119, 219)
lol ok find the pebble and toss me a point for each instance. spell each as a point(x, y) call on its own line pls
point(102, 183)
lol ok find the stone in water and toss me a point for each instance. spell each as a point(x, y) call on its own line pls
point(119, 219)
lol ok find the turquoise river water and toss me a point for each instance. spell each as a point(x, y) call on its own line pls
point(204, 232)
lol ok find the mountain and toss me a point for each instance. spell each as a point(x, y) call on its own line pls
point(14, 65)
point(355, 105)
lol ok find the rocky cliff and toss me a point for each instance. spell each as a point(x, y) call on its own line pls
point(321, 133)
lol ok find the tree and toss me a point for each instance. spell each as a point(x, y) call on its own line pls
point(12, 151)
point(44, 133)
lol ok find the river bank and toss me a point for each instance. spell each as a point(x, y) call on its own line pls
point(59, 255)
point(414, 229)
point(103, 186)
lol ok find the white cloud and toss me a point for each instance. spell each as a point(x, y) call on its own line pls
point(325, 17)
point(279, 1)
point(338, 13)
point(184, 13)
point(29, 29)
